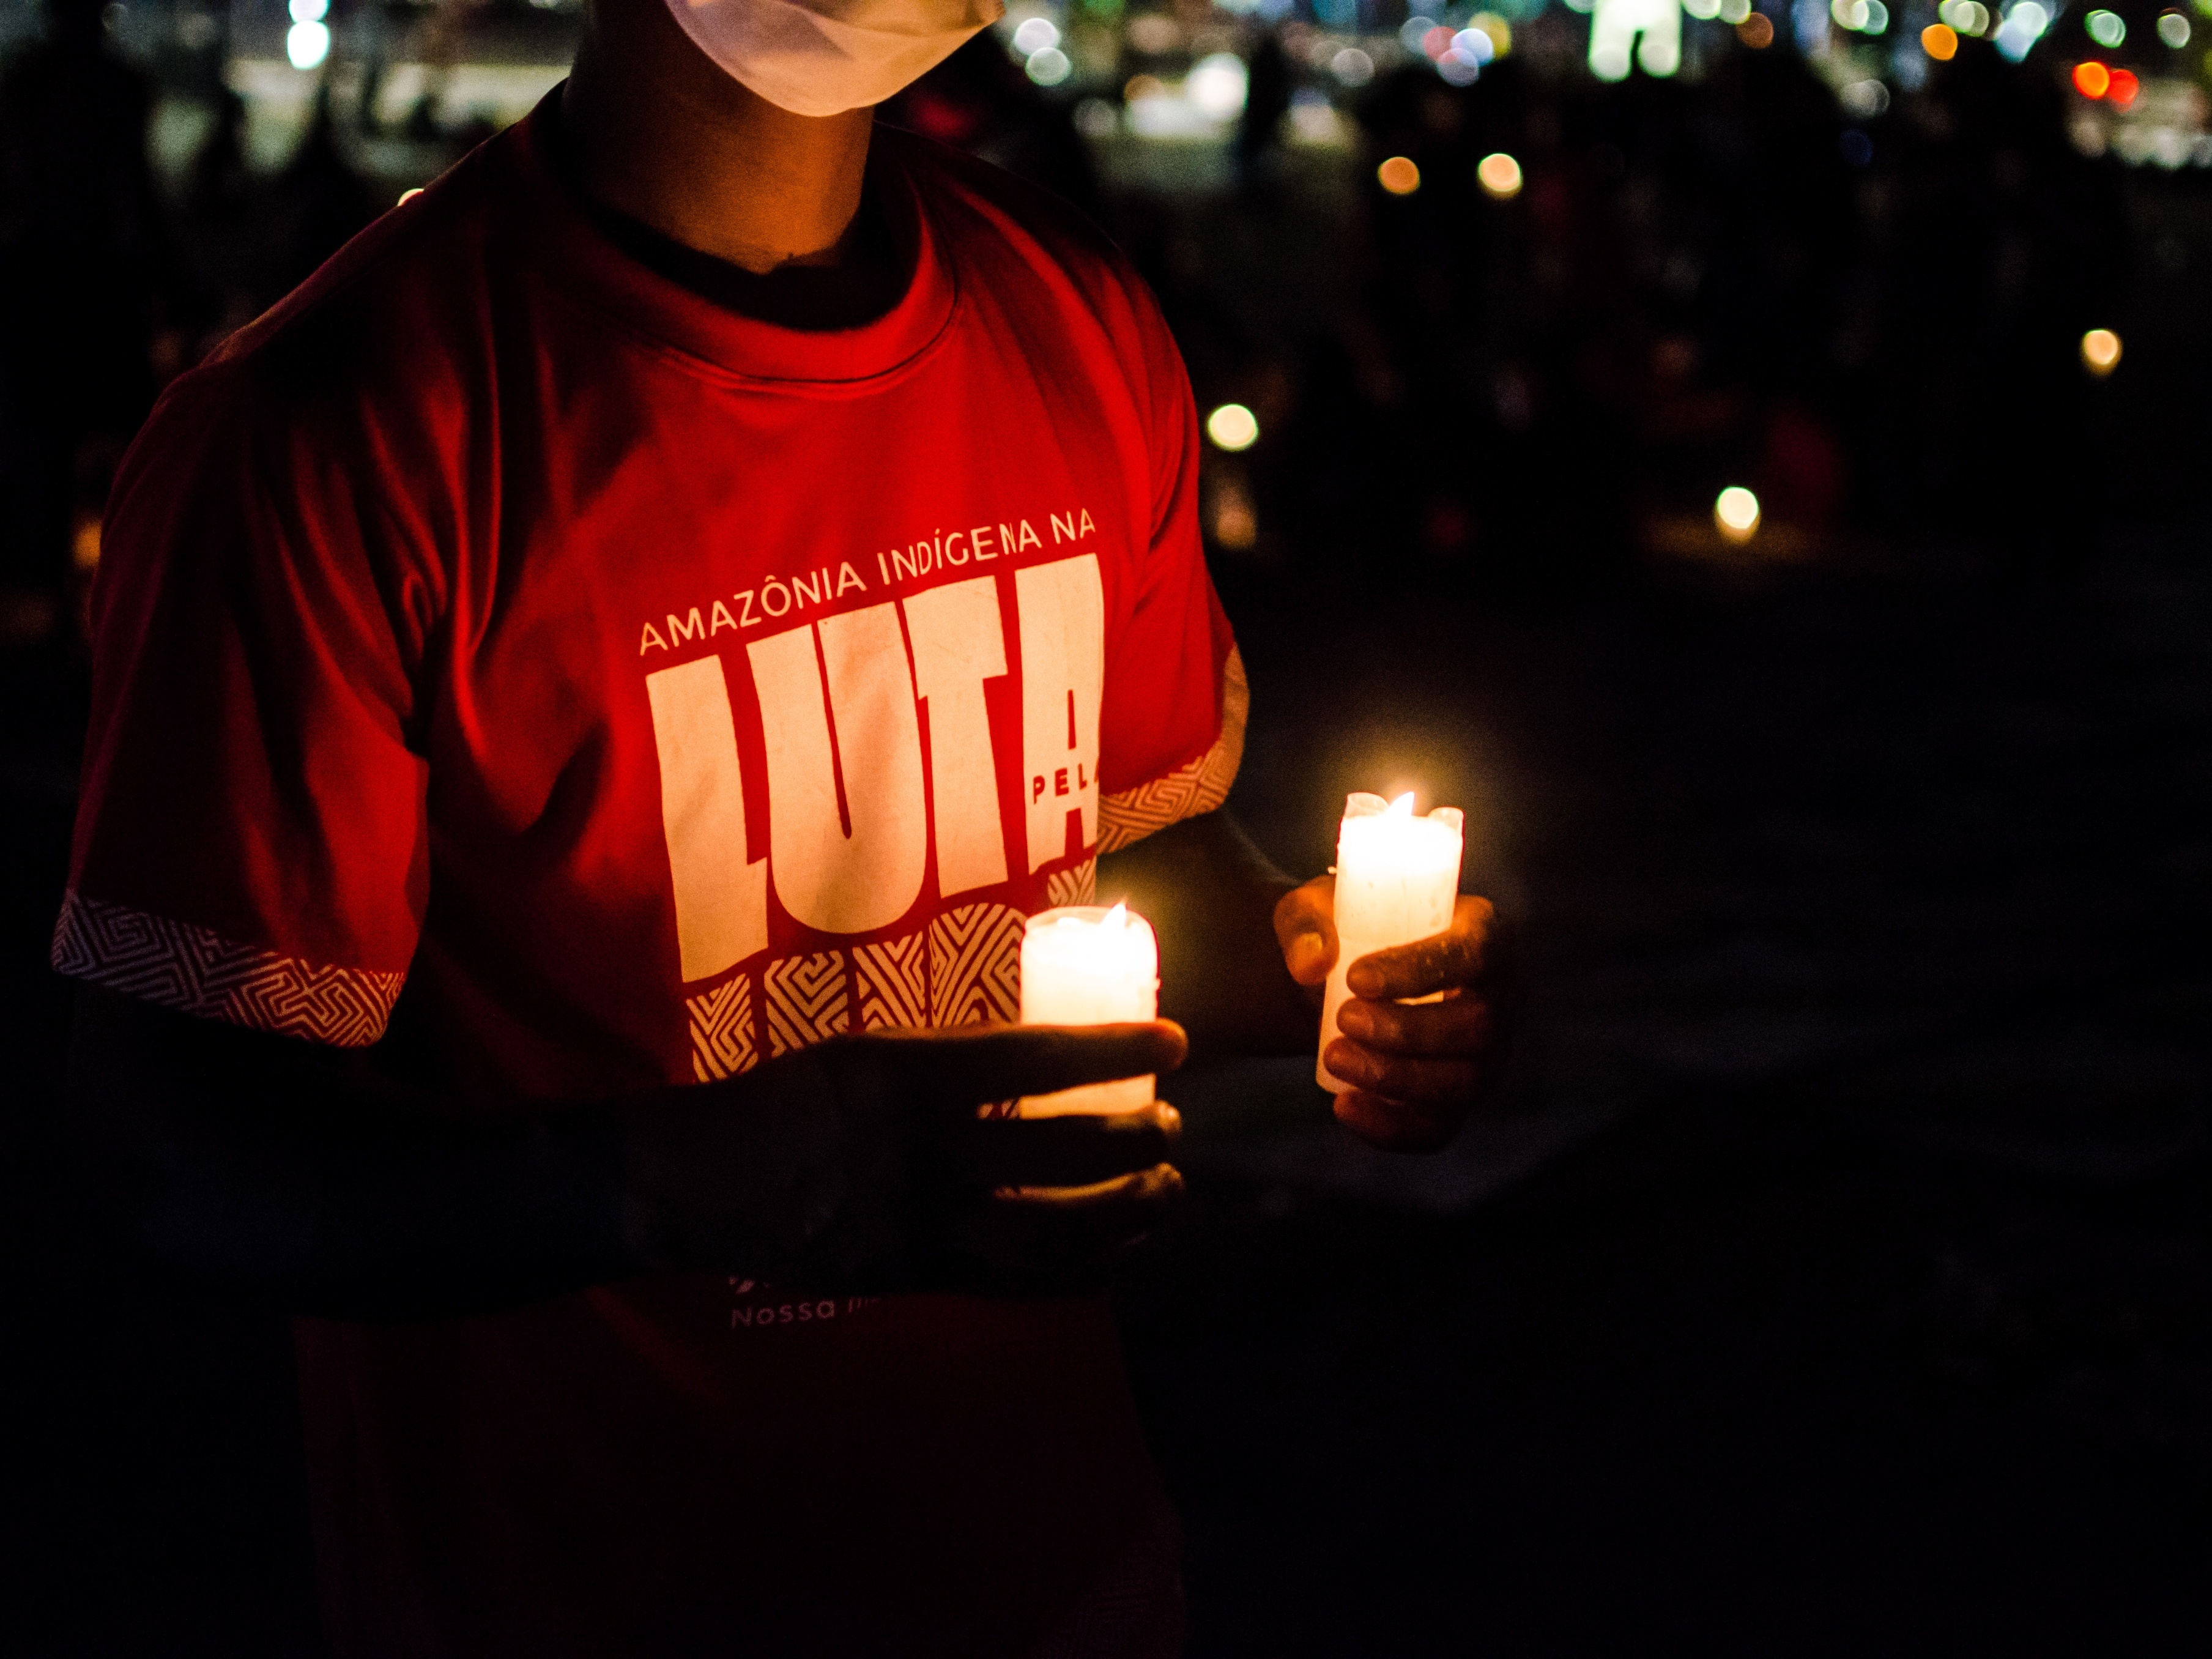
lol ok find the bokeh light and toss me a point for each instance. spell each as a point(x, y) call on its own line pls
point(2092, 79)
point(1940, 41)
point(1465, 53)
point(2107, 28)
point(1756, 31)
point(2100, 351)
point(1095, 117)
point(1864, 100)
point(2123, 88)
point(1353, 67)
point(308, 44)
point(1218, 85)
point(1036, 34)
point(1399, 176)
point(1232, 427)
point(1235, 521)
point(1499, 174)
point(309, 11)
point(1048, 68)
point(2023, 27)
point(1735, 513)
point(1155, 33)
point(1458, 69)
point(2173, 29)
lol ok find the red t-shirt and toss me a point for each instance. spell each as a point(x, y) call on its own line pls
point(630, 692)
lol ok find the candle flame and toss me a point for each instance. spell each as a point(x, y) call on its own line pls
point(1400, 808)
point(1117, 917)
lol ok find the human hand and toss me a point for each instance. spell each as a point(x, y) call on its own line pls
point(1417, 1069)
point(865, 1163)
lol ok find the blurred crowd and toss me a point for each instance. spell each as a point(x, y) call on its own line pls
point(1681, 285)
point(1719, 278)
point(1715, 284)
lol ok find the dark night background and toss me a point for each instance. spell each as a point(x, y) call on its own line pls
point(1836, 1274)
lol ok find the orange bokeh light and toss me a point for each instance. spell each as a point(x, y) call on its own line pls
point(1756, 31)
point(2092, 79)
point(2125, 88)
point(1940, 41)
point(1399, 176)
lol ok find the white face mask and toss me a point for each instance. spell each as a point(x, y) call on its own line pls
point(823, 57)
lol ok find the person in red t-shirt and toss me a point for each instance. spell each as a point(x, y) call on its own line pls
point(587, 692)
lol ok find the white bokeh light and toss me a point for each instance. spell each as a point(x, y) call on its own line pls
point(1616, 26)
point(307, 44)
point(1735, 513)
point(1233, 426)
point(1217, 85)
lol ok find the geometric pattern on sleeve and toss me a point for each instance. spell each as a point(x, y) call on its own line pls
point(197, 971)
point(722, 1043)
point(1195, 786)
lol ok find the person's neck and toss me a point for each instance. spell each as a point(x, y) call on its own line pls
point(659, 132)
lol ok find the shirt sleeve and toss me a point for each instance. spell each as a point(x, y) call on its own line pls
point(250, 840)
point(1171, 729)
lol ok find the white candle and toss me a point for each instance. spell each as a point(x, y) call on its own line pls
point(1397, 879)
point(1086, 965)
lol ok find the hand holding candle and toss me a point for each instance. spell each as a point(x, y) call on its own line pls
point(1396, 878)
point(1086, 965)
point(1410, 1033)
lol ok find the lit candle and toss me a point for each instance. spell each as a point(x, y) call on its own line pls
point(1397, 879)
point(1086, 965)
